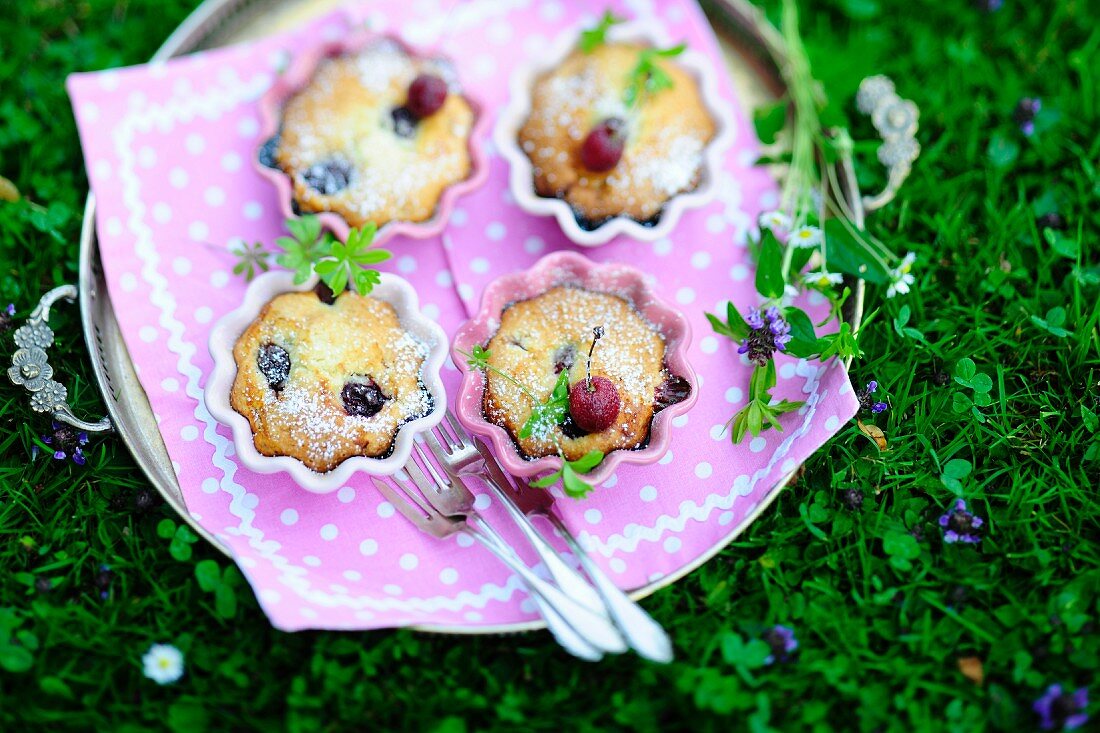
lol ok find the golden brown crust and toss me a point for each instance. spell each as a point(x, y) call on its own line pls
point(354, 339)
point(666, 135)
point(344, 116)
point(531, 339)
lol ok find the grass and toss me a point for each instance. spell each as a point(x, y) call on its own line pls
point(884, 610)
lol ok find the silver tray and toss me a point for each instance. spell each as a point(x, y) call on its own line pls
point(753, 53)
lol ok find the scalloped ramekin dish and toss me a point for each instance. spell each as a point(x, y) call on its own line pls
point(394, 290)
point(569, 268)
point(298, 74)
point(521, 175)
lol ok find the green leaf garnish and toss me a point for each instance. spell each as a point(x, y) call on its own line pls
point(550, 413)
point(305, 247)
point(310, 250)
point(647, 77)
point(348, 262)
point(251, 258)
point(569, 475)
point(593, 38)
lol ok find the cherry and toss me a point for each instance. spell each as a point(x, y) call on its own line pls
point(594, 404)
point(274, 363)
point(671, 391)
point(363, 399)
point(603, 147)
point(426, 95)
point(324, 293)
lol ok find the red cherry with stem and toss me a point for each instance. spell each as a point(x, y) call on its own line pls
point(603, 147)
point(426, 95)
point(594, 404)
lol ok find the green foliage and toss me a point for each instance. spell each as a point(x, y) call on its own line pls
point(879, 646)
point(759, 413)
point(979, 384)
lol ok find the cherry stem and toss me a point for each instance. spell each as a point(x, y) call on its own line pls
point(597, 332)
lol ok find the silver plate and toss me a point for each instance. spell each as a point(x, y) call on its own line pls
point(751, 61)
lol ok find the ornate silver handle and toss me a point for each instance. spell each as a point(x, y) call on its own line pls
point(896, 121)
point(31, 368)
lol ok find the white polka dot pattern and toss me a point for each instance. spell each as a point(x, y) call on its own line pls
point(175, 187)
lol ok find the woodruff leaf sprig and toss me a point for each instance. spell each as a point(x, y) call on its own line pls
point(309, 250)
point(545, 414)
point(812, 228)
point(646, 77)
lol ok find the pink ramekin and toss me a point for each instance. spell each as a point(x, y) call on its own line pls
point(569, 268)
point(298, 74)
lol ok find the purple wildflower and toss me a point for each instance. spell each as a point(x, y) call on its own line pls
point(988, 6)
point(67, 442)
point(1025, 112)
point(959, 525)
point(103, 580)
point(770, 333)
point(1065, 710)
point(867, 402)
point(1051, 220)
point(6, 317)
point(781, 640)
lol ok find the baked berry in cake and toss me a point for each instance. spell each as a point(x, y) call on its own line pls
point(377, 135)
point(322, 379)
point(593, 349)
point(617, 129)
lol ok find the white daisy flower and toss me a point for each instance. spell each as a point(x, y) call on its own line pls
point(790, 292)
point(777, 221)
point(805, 237)
point(901, 277)
point(823, 278)
point(163, 663)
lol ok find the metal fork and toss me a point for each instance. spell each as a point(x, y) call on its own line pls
point(570, 623)
point(462, 455)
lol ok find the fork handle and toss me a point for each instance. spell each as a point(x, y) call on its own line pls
point(642, 632)
point(595, 629)
point(568, 579)
point(566, 636)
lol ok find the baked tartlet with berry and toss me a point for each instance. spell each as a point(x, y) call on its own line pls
point(321, 385)
point(574, 363)
point(365, 130)
point(618, 134)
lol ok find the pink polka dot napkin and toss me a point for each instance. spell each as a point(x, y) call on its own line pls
point(168, 150)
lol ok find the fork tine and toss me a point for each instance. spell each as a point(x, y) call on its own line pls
point(460, 432)
point(442, 438)
point(440, 480)
point(404, 500)
point(437, 448)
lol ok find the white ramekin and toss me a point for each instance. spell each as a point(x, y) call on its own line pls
point(521, 175)
point(394, 290)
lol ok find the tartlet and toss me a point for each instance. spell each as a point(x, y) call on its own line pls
point(365, 130)
point(540, 323)
point(322, 387)
point(671, 142)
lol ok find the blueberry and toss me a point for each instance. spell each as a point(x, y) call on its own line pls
point(328, 178)
point(363, 399)
point(274, 364)
point(266, 153)
point(404, 122)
